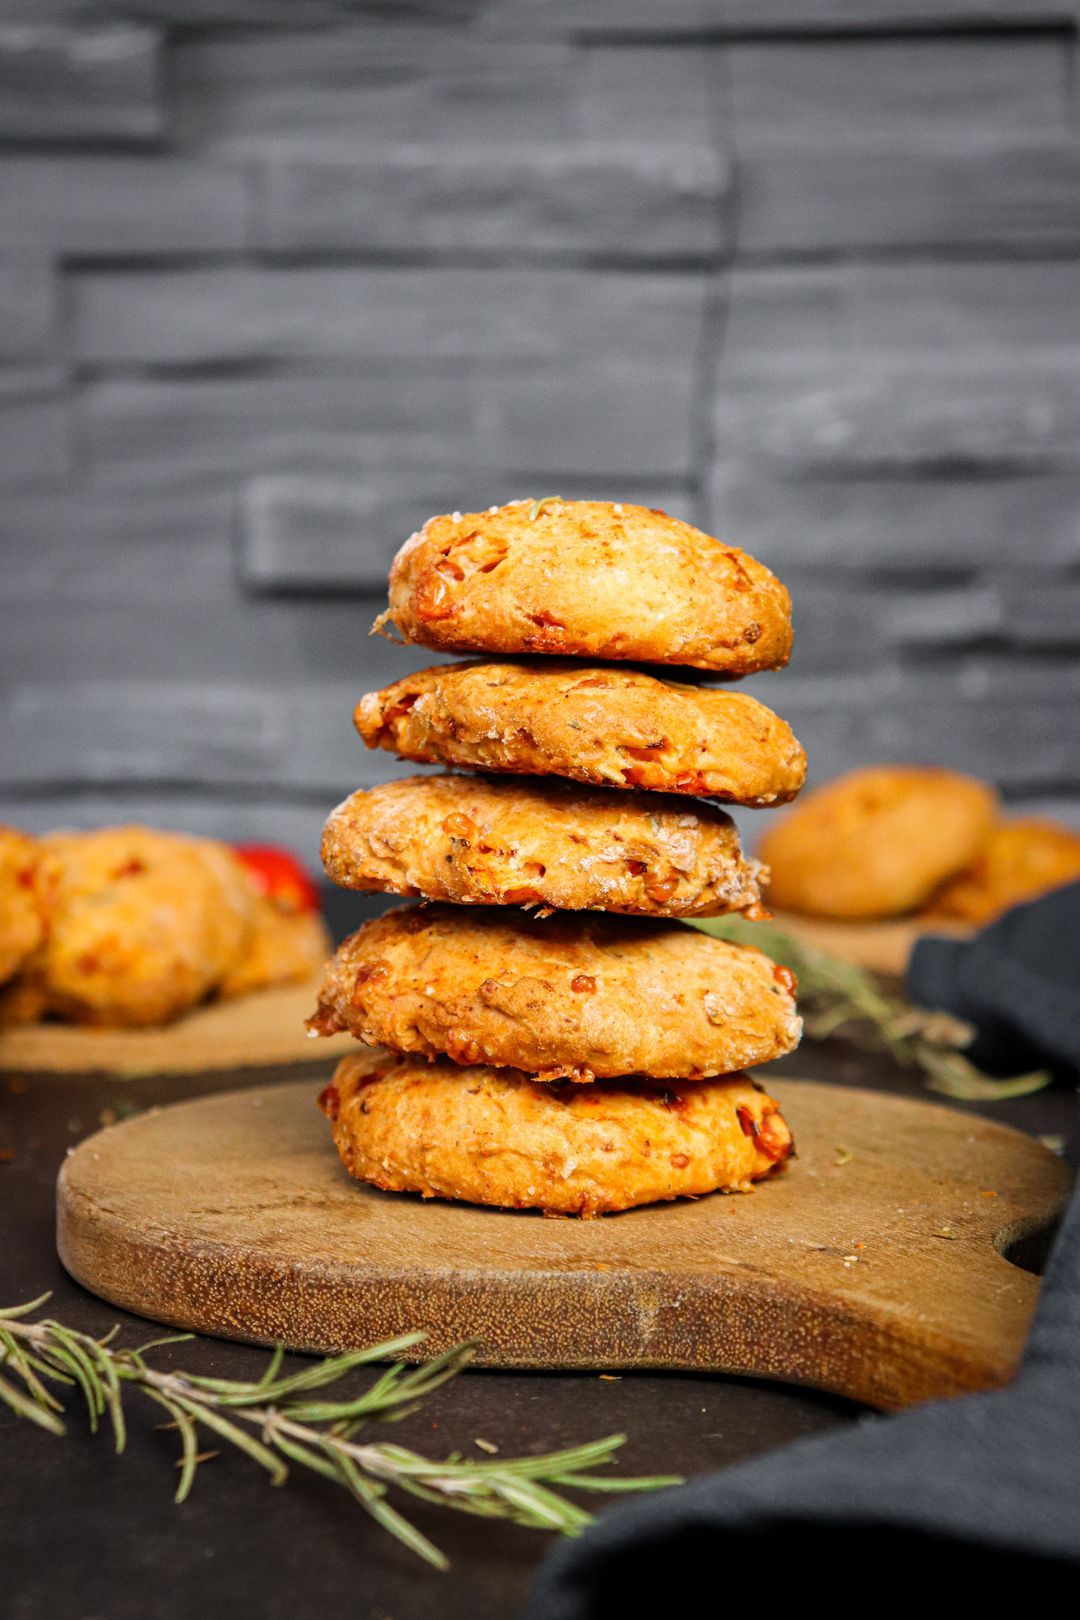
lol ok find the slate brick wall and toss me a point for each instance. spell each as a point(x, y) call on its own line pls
point(277, 281)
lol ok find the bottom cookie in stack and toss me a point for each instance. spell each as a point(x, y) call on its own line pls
point(495, 1136)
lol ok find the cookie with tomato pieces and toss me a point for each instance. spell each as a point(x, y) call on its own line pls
point(561, 997)
point(526, 841)
point(591, 579)
point(493, 1136)
point(605, 726)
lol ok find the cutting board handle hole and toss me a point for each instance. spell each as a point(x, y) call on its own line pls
point(1031, 1250)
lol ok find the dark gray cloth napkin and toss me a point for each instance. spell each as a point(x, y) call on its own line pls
point(983, 1490)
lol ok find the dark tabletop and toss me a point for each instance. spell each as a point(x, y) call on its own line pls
point(87, 1535)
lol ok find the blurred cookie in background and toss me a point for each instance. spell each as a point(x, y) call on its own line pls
point(288, 940)
point(877, 842)
point(130, 927)
point(139, 925)
point(20, 916)
point(1023, 858)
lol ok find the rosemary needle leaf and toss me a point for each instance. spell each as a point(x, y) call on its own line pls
point(538, 506)
point(157, 1344)
point(307, 1458)
point(28, 1366)
point(26, 1406)
point(613, 1483)
point(104, 1363)
point(273, 1367)
point(237, 1437)
point(399, 1526)
point(82, 1369)
point(14, 1311)
point(189, 1439)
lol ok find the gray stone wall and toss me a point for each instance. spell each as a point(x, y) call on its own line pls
point(278, 280)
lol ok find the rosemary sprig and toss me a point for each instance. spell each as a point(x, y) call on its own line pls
point(839, 998)
point(295, 1419)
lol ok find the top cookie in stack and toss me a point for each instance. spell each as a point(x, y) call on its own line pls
point(588, 579)
point(494, 1011)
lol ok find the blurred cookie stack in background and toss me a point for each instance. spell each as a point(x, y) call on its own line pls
point(132, 928)
point(547, 1034)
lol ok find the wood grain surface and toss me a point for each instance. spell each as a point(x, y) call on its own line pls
point(873, 1268)
point(883, 947)
point(252, 1031)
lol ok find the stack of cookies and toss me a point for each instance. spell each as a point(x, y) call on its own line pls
point(543, 1032)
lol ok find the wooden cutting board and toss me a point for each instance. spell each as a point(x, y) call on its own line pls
point(266, 1027)
point(871, 1268)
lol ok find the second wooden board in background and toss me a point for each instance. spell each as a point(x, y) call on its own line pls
point(883, 947)
point(252, 1031)
point(871, 1268)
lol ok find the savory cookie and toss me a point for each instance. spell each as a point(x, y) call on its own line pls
point(876, 842)
point(140, 925)
point(20, 915)
point(283, 947)
point(558, 997)
point(525, 841)
point(589, 579)
point(491, 1136)
point(608, 727)
point(1025, 857)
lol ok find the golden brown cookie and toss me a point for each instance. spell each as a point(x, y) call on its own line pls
point(1023, 858)
point(524, 841)
point(20, 916)
point(284, 946)
point(590, 579)
point(140, 925)
point(876, 842)
point(578, 997)
point(604, 726)
point(491, 1136)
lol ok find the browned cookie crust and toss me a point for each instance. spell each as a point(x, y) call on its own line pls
point(523, 841)
point(491, 1136)
point(877, 842)
point(592, 579)
point(558, 997)
point(607, 727)
point(1023, 858)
